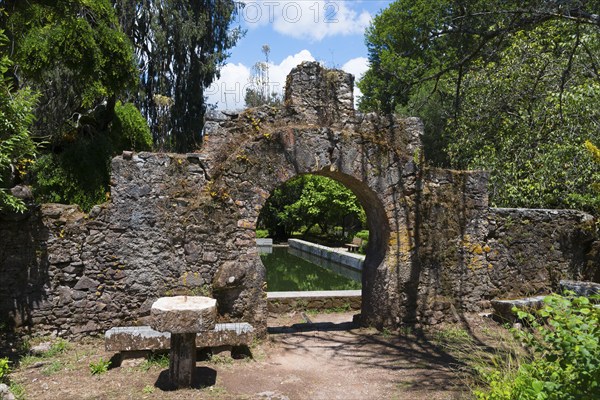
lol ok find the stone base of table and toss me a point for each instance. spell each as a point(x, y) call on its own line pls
point(182, 359)
point(183, 317)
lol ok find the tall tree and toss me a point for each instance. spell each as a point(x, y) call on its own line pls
point(417, 41)
point(260, 92)
point(180, 46)
point(513, 90)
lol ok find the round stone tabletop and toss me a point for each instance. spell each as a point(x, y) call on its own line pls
point(183, 314)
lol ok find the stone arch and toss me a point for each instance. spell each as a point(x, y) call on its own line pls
point(376, 158)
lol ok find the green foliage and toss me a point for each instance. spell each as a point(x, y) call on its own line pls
point(364, 234)
point(78, 175)
point(130, 129)
point(74, 53)
point(508, 87)
point(262, 233)
point(520, 121)
point(307, 201)
point(4, 369)
point(564, 341)
point(99, 367)
point(17, 390)
point(16, 117)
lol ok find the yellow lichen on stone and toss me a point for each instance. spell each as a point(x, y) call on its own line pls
point(401, 245)
point(477, 249)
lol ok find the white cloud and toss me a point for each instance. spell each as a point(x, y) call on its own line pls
point(227, 93)
point(302, 19)
point(229, 90)
point(357, 67)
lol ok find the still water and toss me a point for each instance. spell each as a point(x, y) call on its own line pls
point(287, 272)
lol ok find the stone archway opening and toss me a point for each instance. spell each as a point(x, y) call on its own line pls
point(341, 274)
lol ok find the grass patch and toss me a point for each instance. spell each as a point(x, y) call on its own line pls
point(386, 333)
point(53, 368)
point(17, 390)
point(58, 347)
point(331, 310)
point(159, 361)
point(497, 350)
point(220, 359)
point(99, 367)
point(148, 389)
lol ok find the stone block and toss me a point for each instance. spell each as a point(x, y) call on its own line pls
point(86, 283)
point(183, 314)
point(580, 288)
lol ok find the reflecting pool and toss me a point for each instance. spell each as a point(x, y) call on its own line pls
point(287, 272)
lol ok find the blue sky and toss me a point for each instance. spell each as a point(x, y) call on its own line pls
point(328, 31)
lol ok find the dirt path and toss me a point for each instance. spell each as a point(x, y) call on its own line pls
point(327, 359)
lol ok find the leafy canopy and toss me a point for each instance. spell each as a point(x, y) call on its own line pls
point(510, 87)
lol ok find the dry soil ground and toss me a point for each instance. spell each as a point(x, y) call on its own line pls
point(325, 359)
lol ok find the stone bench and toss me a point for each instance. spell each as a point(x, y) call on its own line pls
point(140, 340)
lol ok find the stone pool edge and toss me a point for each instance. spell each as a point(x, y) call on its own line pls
point(354, 261)
point(280, 302)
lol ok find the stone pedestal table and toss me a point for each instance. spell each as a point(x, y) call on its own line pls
point(183, 317)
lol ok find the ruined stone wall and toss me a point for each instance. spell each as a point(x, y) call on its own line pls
point(470, 253)
point(184, 224)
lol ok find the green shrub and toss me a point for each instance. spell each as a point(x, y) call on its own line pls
point(130, 129)
point(99, 367)
point(16, 116)
point(563, 341)
point(364, 234)
point(58, 347)
point(78, 175)
point(4, 369)
point(262, 233)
